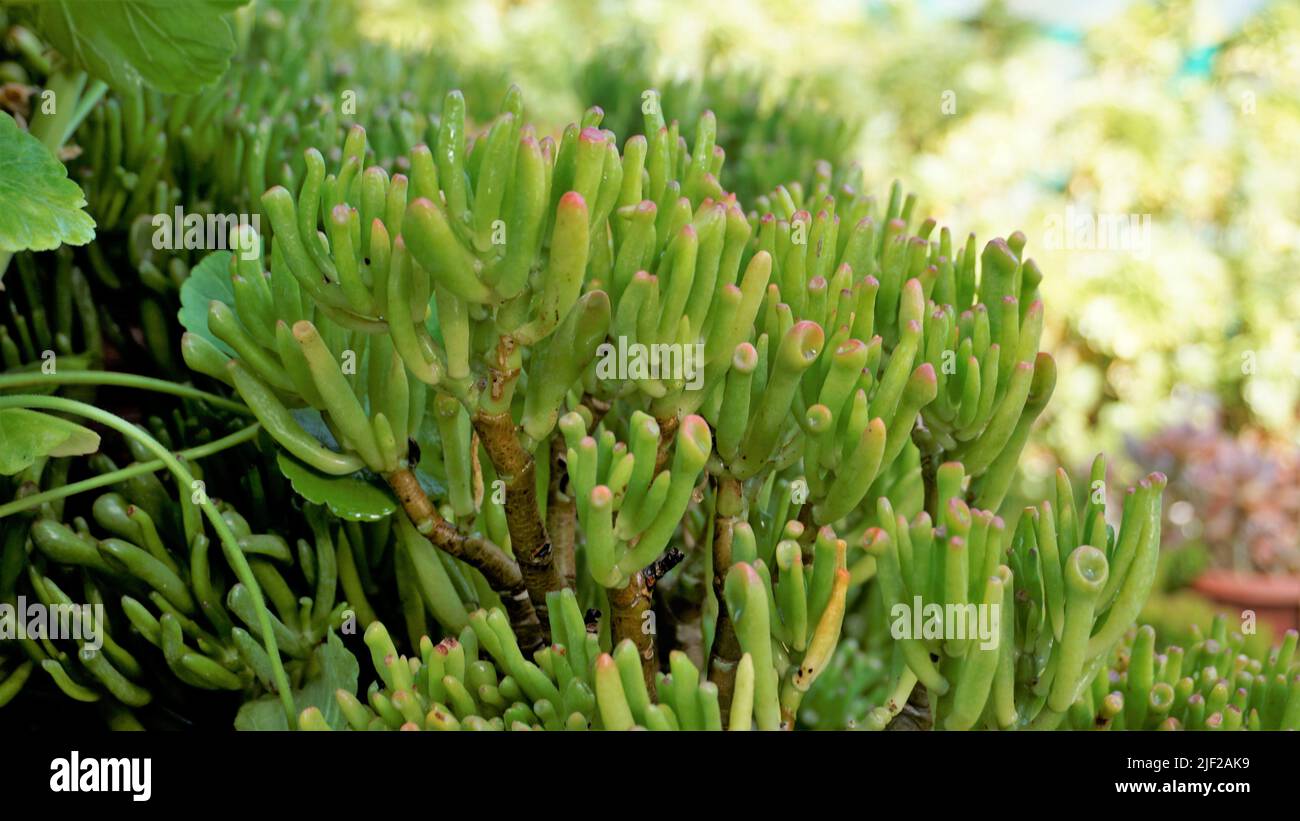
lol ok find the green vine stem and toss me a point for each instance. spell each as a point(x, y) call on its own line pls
point(128, 472)
point(185, 481)
point(121, 380)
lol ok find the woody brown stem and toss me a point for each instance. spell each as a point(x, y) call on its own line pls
point(516, 468)
point(502, 574)
point(631, 604)
point(725, 653)
point(561, 514)
point(660, 566)
point(667, 432)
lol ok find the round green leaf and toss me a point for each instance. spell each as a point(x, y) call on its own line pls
point(27, 435)
point(175, 46)
point(42, 207)
point(208, 280)
point(332, 668)
point(348, 497)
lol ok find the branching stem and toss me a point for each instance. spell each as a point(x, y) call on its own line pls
point(128, 472)
point(501, 572)
point(122, 380)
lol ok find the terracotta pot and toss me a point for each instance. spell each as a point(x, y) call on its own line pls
point(1275, 599)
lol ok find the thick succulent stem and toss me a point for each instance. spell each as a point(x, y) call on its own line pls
point(667, 433)
point(561, 515)
point(528, 537)
point(515, 467)
point(502, 574)
point(631, 604)
point(725, 653)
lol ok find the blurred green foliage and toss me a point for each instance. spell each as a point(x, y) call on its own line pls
point(771, 132)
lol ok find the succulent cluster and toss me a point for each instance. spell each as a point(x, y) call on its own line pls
point(449, 687)
point(772, 133)
point(1213, 685)
point(1065, 589)
point(848, 367)
point(143, 150)
point(617, 440)
point(163, 616)
point(49, 310)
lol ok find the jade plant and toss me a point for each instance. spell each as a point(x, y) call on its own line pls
point(1212, 685)
point(820, 393)
point(563, 429)
point(1062, 602)
point(140, 142)
point(594, 430)
point(642, 450)
point(51, 313)
point(176, 617)
point(772, 131)
point(449, 687)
